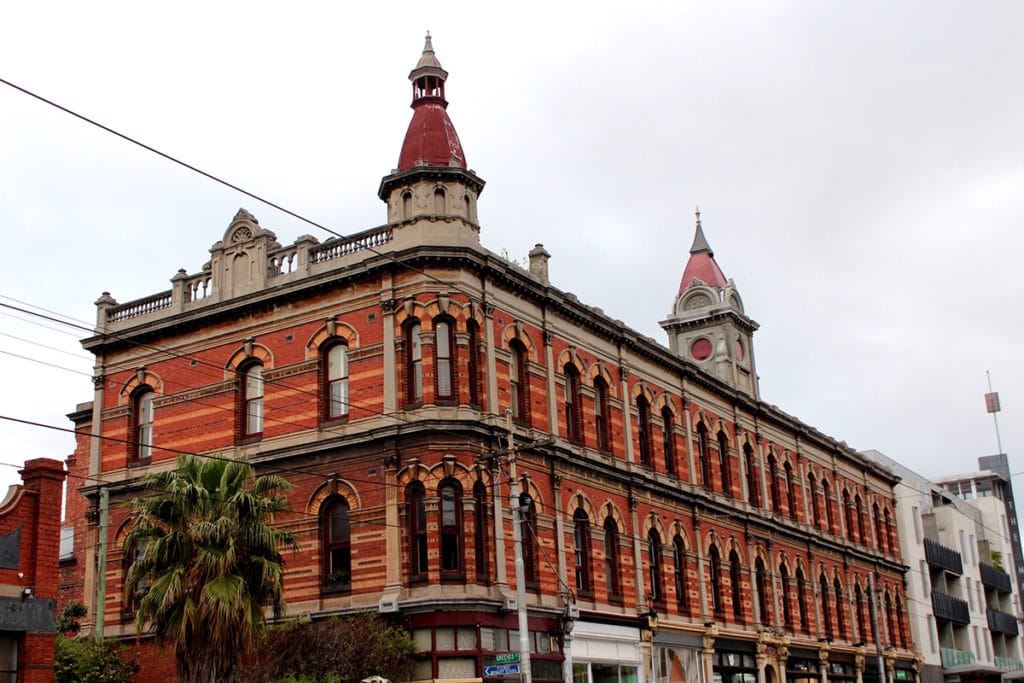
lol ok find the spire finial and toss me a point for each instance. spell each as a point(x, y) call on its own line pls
point(697, 214)
point(700, 243)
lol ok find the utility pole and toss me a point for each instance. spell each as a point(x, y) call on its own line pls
point(101, 570)
point(525, 674)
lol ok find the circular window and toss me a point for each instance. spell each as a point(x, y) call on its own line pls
point(701, 349)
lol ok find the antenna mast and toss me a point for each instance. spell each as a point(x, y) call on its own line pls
point(992, 406)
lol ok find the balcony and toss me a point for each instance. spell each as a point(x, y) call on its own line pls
point(942, 557)
point(1001, 622)
point(1009, 664)
point(950, 609)
point(994, 578)
point(953, 657)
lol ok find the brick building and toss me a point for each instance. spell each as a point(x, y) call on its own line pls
point(676, 527)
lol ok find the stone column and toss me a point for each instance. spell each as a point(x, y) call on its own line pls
point(627, 429)
point(492, 366)
point(388, 307)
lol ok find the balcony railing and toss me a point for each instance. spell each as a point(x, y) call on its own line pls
point(1001, 622)
point(1009, 664)
point(995, 578)
point(950, 609)
point(953, 657)
point(942, 557)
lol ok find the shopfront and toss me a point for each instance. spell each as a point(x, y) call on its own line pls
point(604, 653)
point(734, 661)
point(677, 658)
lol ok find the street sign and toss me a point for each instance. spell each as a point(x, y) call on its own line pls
point(501, 670)
point(507, 658)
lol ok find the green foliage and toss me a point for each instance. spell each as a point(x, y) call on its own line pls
point(84, 660)
point(997, 560)
point(333, 651)
point(212, 561)
point(67, 622)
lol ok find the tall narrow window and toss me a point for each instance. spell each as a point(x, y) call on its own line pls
point(790, 484)
point(735, 574)
point(573, 419)
point(801, 601)
point(439, 202)
point(837, 589)
point(415, 497)
point(480, 529)
point(787, 597)
point(812, 488)
point(668, 440)
point(451, 526)
point(252, 400)
point(337, 381)
point(654, 565)
point(518, 382)
point(723, 462)
point(142, 418)
point(337, 543)
point(132, 554)
point(826, 608)
point(413, 363)
point(581, 551)
point(879, 529)
point(890, 545)
point(643, 418)
point(705, 457)
point(715, 572)
point(611, 559)
point(773, 482)
point(473, 362)
point(860, 514)
point(900, 639)
point(528, 516)
point(679, 564)
point(444, 360)
point(602, 415)
point(862, 623)
point(761, 580)
point(851, 525)
point(753, 483)
point(890, 617)
point(826, 495)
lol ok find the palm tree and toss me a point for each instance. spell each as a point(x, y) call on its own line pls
point(212, 561)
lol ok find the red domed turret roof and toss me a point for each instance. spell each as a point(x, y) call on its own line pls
point(431, 137)
point(701, 265)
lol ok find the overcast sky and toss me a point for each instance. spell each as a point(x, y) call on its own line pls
point(859, 167)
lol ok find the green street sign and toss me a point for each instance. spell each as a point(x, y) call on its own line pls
point(507, 658)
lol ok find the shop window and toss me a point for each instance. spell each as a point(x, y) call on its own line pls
point(142, 424)
point(573, 418)
point(723, 463)
point(643, 412)
point(602, 415)
point(337, 541)
point(444, 359)
point(715, 574)
point(668, 441)
point(753, 484)
point(654, 566)
point(704, 456)
point(450, 530)
point(735, 574)
point(581, 551)
point(413, 363)
point(473, 362)
point(336, 380)
point(518, 382)
point(9, 657)
point(611, 560)
point(251, 404)
point(480, 529)
point(679, 564)
point(761, 585)
point(528, 515)
point(734, 667)
point(415, 497)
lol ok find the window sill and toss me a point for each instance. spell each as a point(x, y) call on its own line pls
point(250, 438)
point(335, 588)
point(453, 577)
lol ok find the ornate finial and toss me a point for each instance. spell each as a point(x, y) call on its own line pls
point(700, 243)
point(697, 214)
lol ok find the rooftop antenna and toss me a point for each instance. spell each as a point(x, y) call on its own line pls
point(992, 406)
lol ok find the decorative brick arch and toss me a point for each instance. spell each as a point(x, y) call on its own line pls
point(722, 427)
point(515, 331)
point(248, 351)
point(665, 400)
point(599, 369)
point(697, 417)
point(332, 329)
point(761, 552)
point(141, 378)
point(651, 521)
point(677, 529)
point(580, 501)
point(609, 509)
point(413, 471)
point(570, 357)
point(526, 485)
point(734, 544)
point(410, 309)
point(334, 487)
point(641, 389)
point(713, 538)
point(442, 304)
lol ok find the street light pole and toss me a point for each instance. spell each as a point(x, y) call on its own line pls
point(525, 674)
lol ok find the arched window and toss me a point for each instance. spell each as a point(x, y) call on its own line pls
point(787, 596)
point(444, 359)
point(406, 205)
point(862, 623)
point(880, 535)
point(573, 418)
point(668, 441)
point(518, 382)
point(723, 461)
point(581, 551)
point(761, 581)
point(654, 565)
point(439, 201)
point(336, 381)
point(900, 640)
point(252, 400)
point(773, 482)
point(826, 608)
point(890, 617)
point(790, 484)
point(826, 495)
point(413, 363)
point(705, 457)
point(473, 364)
point(812, 487)
point(132, 554)
point(643, 412)
point(890, 545)
point(735, 573)
point(837, 589)
point(450, 493)
point(602, 415)
point(715, 572)
point(679, 564)
point(851, 525)
point(801, 601)
point(334, 521)
point(142, 423)
point(611, 559)
point(480, 529)
point(753, 483)
point(861, 512)
point(528, 515)
point(415, 497)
